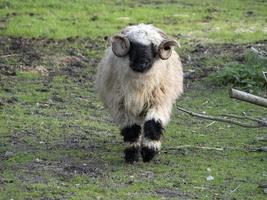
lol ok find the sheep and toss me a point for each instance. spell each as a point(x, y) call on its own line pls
point(138, 80)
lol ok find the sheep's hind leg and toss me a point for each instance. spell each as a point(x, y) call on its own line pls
point(132, 136)
point(151, 142)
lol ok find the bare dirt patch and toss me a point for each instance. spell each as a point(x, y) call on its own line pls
point(59, 56)
point(65, 168)
point(47, 55)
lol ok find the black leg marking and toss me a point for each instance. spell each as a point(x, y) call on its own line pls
point(153, 130)
point(131, 154)
point(148, 154)
point(131, 134)
point(151, 144)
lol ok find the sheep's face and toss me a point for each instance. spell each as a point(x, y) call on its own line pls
point(141, 56)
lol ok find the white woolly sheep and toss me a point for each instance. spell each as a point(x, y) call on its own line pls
point(138, 79)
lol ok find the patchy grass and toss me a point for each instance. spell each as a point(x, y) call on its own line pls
point(209, 20)
point(247, 75)
point(56, 139)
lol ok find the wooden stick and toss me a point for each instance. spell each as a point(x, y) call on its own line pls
point(262, 138)
point(196, 147)
point(264, 149)
point(260, 121)
point(230, 121)
point(244, 96)
point(260, 54)
point(9, 55)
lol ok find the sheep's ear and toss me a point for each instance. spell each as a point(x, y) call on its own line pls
point(120, 45)
point(165, 50)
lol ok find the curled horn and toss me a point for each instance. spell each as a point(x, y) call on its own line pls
point(165, 50)
point(120, 45)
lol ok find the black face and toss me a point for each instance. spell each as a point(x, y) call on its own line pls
point(141, 56)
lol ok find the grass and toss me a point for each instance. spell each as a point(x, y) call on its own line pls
point(56, 139)
point(220, 21)
point(248, 75)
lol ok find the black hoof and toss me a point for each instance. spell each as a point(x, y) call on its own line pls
point(148, 154)
point(131, 155)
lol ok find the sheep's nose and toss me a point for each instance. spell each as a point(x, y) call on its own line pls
point(140, 67)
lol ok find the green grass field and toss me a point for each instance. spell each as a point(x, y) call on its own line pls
point(58, 142)
point(211, 21)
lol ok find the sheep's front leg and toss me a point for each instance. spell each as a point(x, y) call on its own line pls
point(132, 137)
point(155, 120)
point(151, 142)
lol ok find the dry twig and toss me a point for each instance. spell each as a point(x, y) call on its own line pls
point(260, 123)
point(260, 54)
point(9, 55)
point(258, 120)
point(259, 149)
point(232, 191)
point(262, 138)
point(196, 147)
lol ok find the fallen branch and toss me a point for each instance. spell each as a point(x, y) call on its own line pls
point(262, 138)
point(9, 55)
point(244, 96)
point(196, 147)
point(260, 54)
point(262, 123)
point(259, 149)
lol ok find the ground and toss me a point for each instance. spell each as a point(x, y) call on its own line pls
point(58, 142)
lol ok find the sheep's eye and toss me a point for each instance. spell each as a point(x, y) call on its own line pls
point(167, 48)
